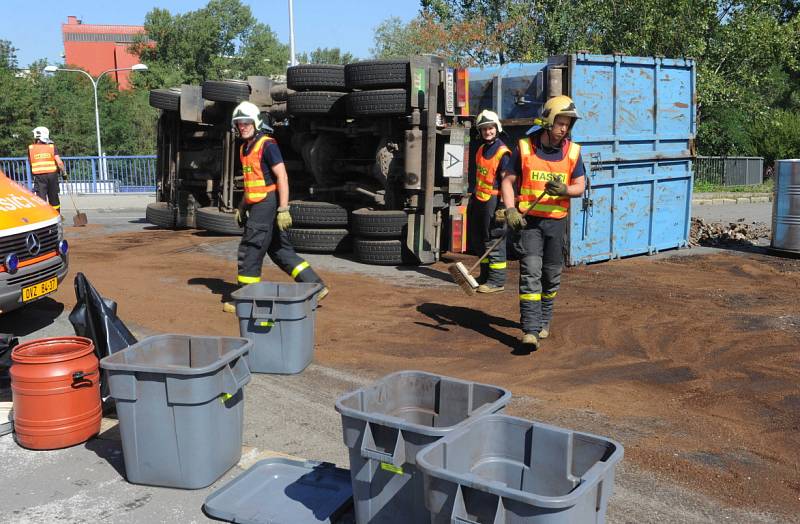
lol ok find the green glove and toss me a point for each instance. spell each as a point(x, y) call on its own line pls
point(500, 216)
point(514, 219)
point(555, 188)
point(284, 218)
point(64, 176)
point(241, 217)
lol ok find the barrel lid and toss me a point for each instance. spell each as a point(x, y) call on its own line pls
point(51, 350)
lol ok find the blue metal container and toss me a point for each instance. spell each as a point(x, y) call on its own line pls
point(637, 129)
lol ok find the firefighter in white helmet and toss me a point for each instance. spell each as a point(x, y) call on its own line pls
point(491, 159)
point(546, 161)
point(46, 165)
point(264, 209)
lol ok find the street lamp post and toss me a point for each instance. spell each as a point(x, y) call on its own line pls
point(95, 81)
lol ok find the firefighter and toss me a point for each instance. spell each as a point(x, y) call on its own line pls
point(491, 159)
point(545, 161)
point(264, 209)
point(46, 165)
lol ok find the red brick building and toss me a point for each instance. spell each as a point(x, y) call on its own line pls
point(97, 48)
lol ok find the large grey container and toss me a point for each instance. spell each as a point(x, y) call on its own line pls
point(180, 406)
point(515, 471)
point(279, 319)
point(387, 423)
point(786, 206)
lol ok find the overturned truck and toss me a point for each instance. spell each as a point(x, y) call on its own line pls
point(376, 153)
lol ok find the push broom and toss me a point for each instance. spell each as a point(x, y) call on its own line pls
point(461, 274)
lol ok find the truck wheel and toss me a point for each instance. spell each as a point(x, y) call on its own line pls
point(319, 240)
point(382, 102)
point(169, 99)
point(369, 223)
point(307, 213)
point(214, 220)
point(316, 77)
point(161, 214)
point(328, 103)
point(377, 74)
point(226, 90)
point(380, 252)
point(279, 92)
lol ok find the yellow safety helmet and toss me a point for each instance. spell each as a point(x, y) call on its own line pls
point(558, 105)
point(488, 118)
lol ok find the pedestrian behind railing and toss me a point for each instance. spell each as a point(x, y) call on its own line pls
point(119, 174)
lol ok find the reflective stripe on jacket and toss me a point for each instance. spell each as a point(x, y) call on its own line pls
point(536, 172)
point(256, 188)
point(43, 159)
point(486, 172)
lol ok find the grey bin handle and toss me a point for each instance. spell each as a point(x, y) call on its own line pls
point(263, 312)
point(369, 450)
point(231, 383)
point(459, 514)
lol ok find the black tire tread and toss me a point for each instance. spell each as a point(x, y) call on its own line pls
point(379, 252)
point(167, 99)
point(368, 223)
point(226, 90)
point(306, 240)
point(213, 220)
point(309, 213)
point(316, 77)
point(161, 214)
point(330, 103)
point(381, 102)
point(377, 74)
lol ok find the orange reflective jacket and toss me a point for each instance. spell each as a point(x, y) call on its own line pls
point(486, 172)
point(43, 158)
point(256, 188)
point(536, 172)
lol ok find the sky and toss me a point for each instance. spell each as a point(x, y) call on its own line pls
point(34, 27)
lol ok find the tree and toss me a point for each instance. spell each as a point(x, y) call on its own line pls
point(325, 55)
point(8, 55)
point(393, 38)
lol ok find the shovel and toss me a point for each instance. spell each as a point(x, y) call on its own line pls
point(79, 220)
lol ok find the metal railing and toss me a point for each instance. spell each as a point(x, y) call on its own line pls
point(729, 170)
point(119, 174)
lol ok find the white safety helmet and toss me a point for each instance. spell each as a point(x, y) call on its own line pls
point(42, 134)
point(247, 111)
point(488, 118)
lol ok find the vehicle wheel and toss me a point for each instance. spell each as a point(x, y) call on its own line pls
point(377, 74)
point(277, 111)
point(377, 103)
point(161, 214)
point(316, 77)
point(279, 92)
point(226, 90)
point(307, 213)
point(316, 103)
point(319, 240)
point(381, 252)
point(169, 99)
point(214, 220)
point(378, 224)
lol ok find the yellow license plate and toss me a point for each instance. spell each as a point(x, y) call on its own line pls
point(39, 290)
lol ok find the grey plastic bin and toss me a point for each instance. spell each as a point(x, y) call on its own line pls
point(387, 423)
point(506, 469)
point(180, 406)
point(279, 319)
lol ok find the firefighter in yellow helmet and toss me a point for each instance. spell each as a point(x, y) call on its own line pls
point(491, 159)
point(546, 161)
point(264, 209)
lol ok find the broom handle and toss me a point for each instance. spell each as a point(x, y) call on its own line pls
point(503, 236)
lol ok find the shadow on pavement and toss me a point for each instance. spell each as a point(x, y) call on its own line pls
point(473, 319)
point(215, 285)
point(428, 272)
point(31, 318)
point(108, 446)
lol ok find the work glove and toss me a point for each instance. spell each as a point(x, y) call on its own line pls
point(241, 217)
point(555, 188)
point(284, 218)
point(64, 176)
point(514, 219)
point(500, 216)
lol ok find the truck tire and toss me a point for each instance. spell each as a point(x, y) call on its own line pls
point(380, 252)
point(316, 77)
point(329, 103)
point(381, 102)
point(307, 213)
point(213, 220)
point(161, 214)
point(277, 111)
point(319, 240)
point(168, 99)
point(279, 92)
point(377, 74)
point(368, 223)
point(226, 90)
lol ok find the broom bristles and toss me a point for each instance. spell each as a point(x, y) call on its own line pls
point(461, 277)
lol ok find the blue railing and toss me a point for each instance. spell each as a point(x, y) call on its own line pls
point(87, 174)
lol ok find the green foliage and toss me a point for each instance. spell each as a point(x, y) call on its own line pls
point(325, 55)
point(394, 39)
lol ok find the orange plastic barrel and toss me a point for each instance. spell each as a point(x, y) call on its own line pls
point(55, 386)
